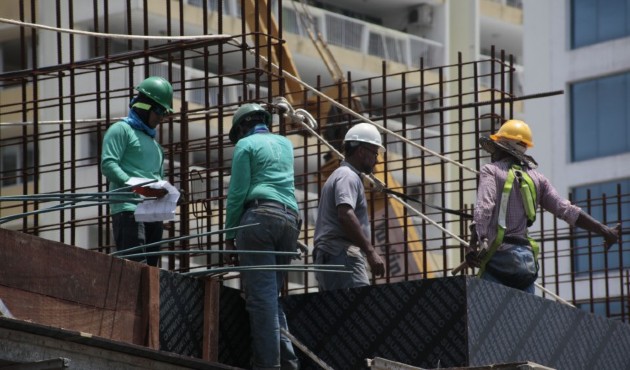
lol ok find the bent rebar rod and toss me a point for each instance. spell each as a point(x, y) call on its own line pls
point(305, 349)
point(132, 249)
point(59, 207)
point(71, 204)
point(210, 251)
point(66, 196)
point(300, 268)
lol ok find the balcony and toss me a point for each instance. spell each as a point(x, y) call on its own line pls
point(512, 3)
point(349, 33)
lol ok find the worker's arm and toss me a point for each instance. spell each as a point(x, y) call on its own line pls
point(352, 228)
point(610, 234)
point(114, 146)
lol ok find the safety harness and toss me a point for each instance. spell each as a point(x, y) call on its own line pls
point(528, 193)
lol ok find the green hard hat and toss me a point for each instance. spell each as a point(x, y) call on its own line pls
point(159, 90)
point(243, 113)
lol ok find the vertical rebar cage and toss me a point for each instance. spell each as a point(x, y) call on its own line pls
point(64, 85)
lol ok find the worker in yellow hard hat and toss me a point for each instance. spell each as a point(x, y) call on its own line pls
point(510, 190)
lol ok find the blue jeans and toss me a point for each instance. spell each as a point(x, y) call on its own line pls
point(129, 233)
point(332, 280)
point(278, 231)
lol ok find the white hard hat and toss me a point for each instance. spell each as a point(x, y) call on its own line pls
point(365, 133)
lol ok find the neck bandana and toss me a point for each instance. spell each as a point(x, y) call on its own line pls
point(134, 121)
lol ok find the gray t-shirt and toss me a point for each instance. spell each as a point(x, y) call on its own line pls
point(344, 186)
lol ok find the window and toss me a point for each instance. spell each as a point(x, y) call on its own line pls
point(344, 32)
point(600, 110)
point(592, 259)
point(594, 21)
point(12, 163)
point(15, 55)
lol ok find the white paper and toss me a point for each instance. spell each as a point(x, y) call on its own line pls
point(162, 209)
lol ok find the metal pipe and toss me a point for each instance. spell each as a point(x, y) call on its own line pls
point(125, 251)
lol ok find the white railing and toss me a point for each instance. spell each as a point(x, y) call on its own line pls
point(349, 33)
point(230, 7)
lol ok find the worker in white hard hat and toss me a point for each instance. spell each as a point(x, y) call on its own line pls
point(510, 190)
point(342, 230)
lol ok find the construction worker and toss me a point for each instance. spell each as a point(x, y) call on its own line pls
point(342, 230)
point(130, 150)
point(262, 192)
point(510, 190)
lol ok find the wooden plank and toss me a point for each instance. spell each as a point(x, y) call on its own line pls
point(54, 312)
point(55, 284)
point(210, 350)
point(50, 268)
point(150, 293)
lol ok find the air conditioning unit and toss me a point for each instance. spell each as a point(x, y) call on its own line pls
point(420, 16)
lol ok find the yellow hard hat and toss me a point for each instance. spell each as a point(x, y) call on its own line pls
point(514, 130)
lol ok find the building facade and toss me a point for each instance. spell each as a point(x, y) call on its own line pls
point(582, 137)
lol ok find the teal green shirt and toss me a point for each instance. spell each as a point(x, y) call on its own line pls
point(127, 153)
point(262, 168)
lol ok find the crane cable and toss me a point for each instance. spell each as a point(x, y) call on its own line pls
point(300, 116)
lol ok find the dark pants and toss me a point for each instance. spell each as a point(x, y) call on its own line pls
point(129, 233)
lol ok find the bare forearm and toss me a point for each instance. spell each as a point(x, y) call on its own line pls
point(610, 234)
point(352, 228)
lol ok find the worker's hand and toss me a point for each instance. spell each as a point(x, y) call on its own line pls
point(472, 259)
point(376, 263)
point(230, 258)
point(473, 244)
point(148, 192)
point(611, 235)
point(475, 252)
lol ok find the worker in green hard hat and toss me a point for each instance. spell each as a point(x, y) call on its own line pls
point(130, 150)
point(262, 194)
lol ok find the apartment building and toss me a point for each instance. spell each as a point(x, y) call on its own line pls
point(583, 136)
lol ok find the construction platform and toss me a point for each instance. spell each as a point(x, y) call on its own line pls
point(81, 309)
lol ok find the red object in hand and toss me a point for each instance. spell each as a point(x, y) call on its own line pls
point(150, 192)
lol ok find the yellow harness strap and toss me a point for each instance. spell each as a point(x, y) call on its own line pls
point(527, 189)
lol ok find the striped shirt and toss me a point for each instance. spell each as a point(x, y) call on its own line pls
point(491, 182)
